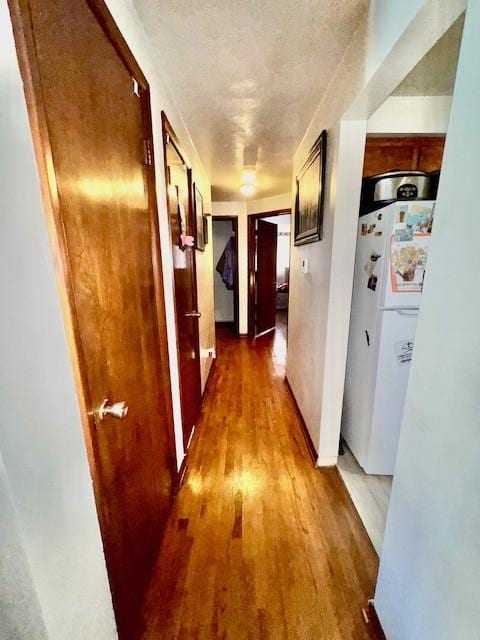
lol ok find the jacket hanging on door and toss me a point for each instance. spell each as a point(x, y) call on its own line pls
point(226, 265)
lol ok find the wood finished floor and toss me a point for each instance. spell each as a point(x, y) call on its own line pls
point(260, 544)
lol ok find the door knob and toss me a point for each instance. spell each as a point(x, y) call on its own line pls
point(116, 410)
point(193, 314)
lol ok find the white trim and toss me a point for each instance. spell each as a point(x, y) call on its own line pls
point(327, 461)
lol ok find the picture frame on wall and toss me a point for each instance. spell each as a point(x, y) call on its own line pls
point(199, 219)
point(310, 194)
point(178, 220)
point(205, 228)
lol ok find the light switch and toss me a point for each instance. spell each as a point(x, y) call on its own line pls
point(305, 265)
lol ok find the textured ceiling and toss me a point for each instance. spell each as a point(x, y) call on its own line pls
point(435, 74)
point(248, 75)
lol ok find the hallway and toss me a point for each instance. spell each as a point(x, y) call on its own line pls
point(259, 543)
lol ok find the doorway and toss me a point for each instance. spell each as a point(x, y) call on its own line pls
point(268, 272)
point(178, 178)
point(225, 263)
point(403, 150)
point(100, 204)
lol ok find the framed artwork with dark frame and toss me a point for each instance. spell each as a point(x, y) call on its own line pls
point(199, 224)
point(205, 228)
point(310, 194)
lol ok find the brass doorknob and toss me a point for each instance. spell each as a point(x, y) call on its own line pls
point(116, 410)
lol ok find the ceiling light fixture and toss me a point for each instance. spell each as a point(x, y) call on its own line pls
point(247, 189)
point(247, 186)
point(248, 176)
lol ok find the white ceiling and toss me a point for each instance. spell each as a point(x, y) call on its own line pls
point(249, 74)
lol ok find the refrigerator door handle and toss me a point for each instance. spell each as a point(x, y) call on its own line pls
point(407, 314)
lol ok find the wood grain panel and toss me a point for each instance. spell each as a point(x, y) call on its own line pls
point(430, 156)
point(266, 277)
point(407, 153)
point(89, 126)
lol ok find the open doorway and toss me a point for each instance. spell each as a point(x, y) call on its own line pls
point(268, 272)
point(225, 262)
point(402, 165)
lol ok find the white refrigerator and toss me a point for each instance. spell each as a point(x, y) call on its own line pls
point(392, 250)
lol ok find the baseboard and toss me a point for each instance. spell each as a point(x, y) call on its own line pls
point(327, 461)
point(306, 434)
point(372, 619)
point(207, 383)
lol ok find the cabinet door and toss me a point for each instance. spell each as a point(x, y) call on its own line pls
point(406, 153)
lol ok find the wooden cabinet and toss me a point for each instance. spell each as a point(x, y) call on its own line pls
point(404, 153)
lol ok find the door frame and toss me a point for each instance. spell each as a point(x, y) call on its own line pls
point(29, 69)
point(169, 135)
point(252, 218)
point(236, 303)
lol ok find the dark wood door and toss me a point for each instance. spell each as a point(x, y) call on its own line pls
point(92, 121)
point(266, 277)
point(180, 210)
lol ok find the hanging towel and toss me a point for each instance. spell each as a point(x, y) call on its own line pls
point(226, 265)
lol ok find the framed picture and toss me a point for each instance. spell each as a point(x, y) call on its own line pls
point(205, 228)
point(199, 223)
point(177, 214)
point(309, 197)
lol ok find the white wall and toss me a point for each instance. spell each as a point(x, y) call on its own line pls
point(20, 614)
point(320, 301)
point(429, 580)
point(242, 209)
point(129, 23)
point(411, 114)
point(387, 21)
point(224, 308)
point(52, 513)
point(272, 203)
point(309, 299)
point(238, 209)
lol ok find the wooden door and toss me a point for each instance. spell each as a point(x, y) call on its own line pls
point(90, 120)
point(266, 277)
point(180, 210)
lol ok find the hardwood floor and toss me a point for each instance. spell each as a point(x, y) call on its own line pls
point(260, 544)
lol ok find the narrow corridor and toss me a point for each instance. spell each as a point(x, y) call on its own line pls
point(259, 543)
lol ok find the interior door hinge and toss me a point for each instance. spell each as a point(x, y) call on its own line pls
point(147, 152)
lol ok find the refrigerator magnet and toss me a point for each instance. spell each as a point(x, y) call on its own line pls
point(372, 282)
